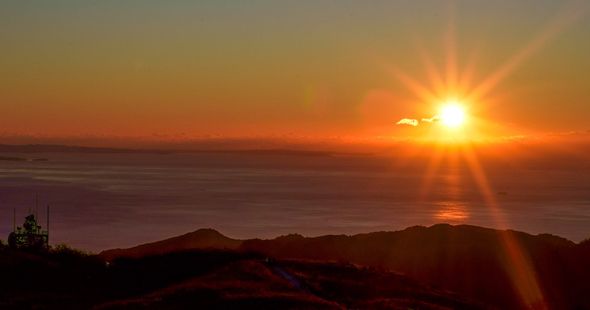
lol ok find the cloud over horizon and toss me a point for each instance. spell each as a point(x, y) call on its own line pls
point(434, 119)
point(415, 122)
point(408, 121)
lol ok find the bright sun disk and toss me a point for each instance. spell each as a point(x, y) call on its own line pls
point(452, 115)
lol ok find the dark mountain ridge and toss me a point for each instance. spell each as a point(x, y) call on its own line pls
point(199, 239)
point(475, 262)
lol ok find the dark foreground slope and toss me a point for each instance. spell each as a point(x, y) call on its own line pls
point(256, 284)
point(479, 263)
point(210, 279)
point(69, 279)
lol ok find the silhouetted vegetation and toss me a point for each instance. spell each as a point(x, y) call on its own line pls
point(65, 248)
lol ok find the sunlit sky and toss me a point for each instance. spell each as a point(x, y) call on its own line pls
point(323, 68)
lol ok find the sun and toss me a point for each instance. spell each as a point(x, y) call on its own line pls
point(452, 115)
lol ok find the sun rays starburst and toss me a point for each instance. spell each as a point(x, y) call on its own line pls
point(461, 85)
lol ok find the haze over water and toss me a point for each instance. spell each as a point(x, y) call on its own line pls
point(102, 201)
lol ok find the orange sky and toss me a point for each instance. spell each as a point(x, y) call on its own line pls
point(336, 68)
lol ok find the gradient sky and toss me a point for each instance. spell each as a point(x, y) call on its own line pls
point(322, 68)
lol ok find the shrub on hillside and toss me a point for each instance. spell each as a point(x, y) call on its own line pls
point(64, 248)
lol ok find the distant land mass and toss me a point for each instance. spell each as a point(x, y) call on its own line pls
point(6, 158)
point(47, 148)
point(468, 260)
point(12, 158)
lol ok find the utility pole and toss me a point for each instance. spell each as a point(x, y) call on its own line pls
point(47, 245)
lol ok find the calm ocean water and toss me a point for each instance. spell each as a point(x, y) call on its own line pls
point(102, 201)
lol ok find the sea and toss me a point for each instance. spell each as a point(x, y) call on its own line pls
point(104, 201)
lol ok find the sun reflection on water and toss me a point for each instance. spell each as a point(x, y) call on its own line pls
point(451, 212)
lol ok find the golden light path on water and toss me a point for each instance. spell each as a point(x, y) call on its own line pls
point(517, 263)
point(452, 211)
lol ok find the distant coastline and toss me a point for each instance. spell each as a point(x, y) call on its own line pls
point(50, 148)
point(6, 158)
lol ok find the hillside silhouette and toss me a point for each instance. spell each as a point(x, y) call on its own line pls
point(199, 239)
point(471, 261)
point(437, 267)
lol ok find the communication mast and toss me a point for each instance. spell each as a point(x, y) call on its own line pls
point(30, 234)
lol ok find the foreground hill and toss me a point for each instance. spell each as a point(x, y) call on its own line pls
point(507, 269)
point(255, 284)
point(206, 279)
